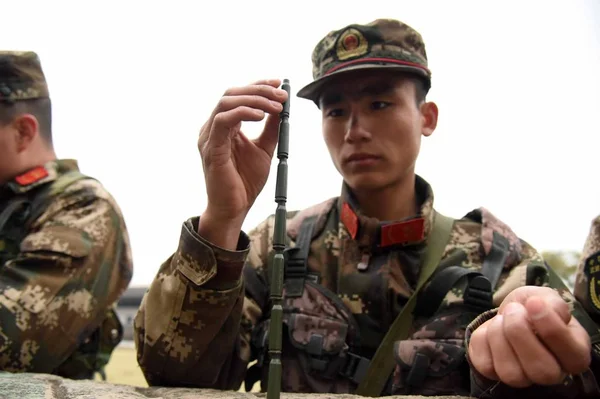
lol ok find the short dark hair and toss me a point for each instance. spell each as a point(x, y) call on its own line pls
point(41, 108)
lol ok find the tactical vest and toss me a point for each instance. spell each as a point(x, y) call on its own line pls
point(326, 342)
point(16, 219)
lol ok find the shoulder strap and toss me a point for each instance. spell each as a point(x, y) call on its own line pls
point(38, 202)
point(481, 284)
point(13, 206)
point(494, 261)
point(296, 262)
point(382, 364)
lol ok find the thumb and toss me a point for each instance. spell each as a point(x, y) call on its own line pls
point(539, 307)
point(270, 134)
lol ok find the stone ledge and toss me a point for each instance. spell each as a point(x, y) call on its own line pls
point(46, 386)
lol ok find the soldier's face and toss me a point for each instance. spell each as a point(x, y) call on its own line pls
point(372, 126)
point(8, 152)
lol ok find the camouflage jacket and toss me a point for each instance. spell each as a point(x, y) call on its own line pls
point(587, 280)
point(60, 278)
point(204, 317)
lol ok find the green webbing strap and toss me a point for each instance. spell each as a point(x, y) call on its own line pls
point(578, 311)
point(383, 362)
point(38, 203)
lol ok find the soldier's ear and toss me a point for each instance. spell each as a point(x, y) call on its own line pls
point(429, 117)
point(27, 129)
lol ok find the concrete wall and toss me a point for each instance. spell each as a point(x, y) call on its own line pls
point(30, 386)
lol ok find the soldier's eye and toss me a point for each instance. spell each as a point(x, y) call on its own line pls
point(335, 112)
point(379, 104)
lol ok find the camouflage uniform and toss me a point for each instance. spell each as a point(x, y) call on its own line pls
point(587, 281)
point(65, 256)
point(205, 317)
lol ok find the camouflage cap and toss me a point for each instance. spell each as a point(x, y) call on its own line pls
point(21, 76)
point(383, 43)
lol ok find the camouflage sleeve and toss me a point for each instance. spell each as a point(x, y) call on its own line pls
point(587, 280)
point(71, 267)
point(194, 325)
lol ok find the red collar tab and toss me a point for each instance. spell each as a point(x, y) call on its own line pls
point(350, 220)
point(32, 176)
point(408, 232)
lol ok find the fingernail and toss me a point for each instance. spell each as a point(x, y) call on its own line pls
point(276, 104)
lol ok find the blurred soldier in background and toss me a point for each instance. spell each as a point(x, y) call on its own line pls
point(587, 280)
point(65, 256)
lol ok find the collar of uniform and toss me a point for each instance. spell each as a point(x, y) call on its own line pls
point(370, 232)
point(40, 175)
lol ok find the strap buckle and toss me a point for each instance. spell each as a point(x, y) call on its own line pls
point(355, 367)
point(295, 266)
point(418, 371)
point(479, 293)
point(294, 272)
point(314, 348)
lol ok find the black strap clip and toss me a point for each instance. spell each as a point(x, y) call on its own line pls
point(418, 371)
point(479, 293)
point(354, 368)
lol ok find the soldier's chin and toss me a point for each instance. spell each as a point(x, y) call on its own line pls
point(365, 182)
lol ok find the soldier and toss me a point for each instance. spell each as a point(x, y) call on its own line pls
point(587, 280)
point(486, 324)
point(65, 256)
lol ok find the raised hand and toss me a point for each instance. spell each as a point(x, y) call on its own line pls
point(236, 168)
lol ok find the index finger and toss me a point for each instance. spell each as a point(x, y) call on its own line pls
point(265, 87)
point(270, 82)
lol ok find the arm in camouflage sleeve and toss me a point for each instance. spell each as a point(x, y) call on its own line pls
point(194, 324)
point(531, 273)
point(72, 267)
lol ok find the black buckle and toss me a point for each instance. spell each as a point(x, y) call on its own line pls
point(355, 367)
point(262, 343)
point(479, 293)
point(294, 264)
point(418, 371)
point(315, 349)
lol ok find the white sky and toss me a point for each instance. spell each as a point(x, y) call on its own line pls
point(517, 84)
